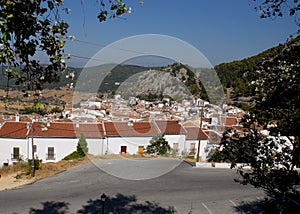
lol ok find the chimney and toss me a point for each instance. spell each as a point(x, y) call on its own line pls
point(17, 118)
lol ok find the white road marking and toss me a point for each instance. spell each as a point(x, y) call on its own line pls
point(295, 202)
point(210, 212)
point(235, 205)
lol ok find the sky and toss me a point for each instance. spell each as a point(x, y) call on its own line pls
point(221, 30)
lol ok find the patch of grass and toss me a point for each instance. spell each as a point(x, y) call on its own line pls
point(72, 156)
point(17, 167)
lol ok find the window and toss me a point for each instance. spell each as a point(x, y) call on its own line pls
point(50, 155)
point(192, 149)
point(16, 153)
point(175, 147)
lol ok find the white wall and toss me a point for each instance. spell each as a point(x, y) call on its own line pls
point(6, 149)
point(202, 153)
point(62, 147)
point(180, 139)
point(203, 144)
point(96, 146)
point(132, 143)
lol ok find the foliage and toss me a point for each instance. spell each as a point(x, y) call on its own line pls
point(117, 9)
point(37, 165)
point(158, 146)
point(32, 26)
point(270, 158)
point(55, 110)
point(72, 156)
point(82, 148)
point(234, 74)
point(277, 82)
point(277, 8)
point(28, 27)
point(236, 147)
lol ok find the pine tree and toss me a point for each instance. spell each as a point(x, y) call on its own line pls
point(82, 148)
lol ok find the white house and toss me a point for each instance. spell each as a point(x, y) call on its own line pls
point(94, 134)
point(13, 142)
point(174, 133)
point(128, 137)
point(52, 141)
point(194, 135)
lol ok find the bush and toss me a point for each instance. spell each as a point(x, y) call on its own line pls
point(81, 151)
point(72, 156)
point(158, 146)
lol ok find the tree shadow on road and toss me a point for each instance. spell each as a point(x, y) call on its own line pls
point(123, 204)
point(51, 207)
point(117, 204)
point(267, 205)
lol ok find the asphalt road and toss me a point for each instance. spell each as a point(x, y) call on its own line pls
point(133, 186)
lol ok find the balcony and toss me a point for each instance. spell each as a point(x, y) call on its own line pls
point(15, 157)
point(50, 156)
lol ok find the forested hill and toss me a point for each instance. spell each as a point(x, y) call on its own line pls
point(234, 75)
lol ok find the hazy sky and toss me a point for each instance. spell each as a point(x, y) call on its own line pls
point(223, 30)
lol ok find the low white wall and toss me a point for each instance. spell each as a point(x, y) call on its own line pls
point(203, 165)
point(223, 165)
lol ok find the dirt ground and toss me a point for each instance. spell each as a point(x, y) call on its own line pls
point(17, 175)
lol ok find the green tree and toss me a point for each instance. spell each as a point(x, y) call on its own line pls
point(158, 146)
point(277, 82)
point(82, 148)
point(32, 26)
point(270, 160)
point(277, 8)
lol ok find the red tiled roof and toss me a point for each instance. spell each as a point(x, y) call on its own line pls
point(229, 121)
point(54, 130)
point(190, 123)
point(138, 129)
point(90, 130)
point(169, 127)
point(195, 133)
point(14, 130)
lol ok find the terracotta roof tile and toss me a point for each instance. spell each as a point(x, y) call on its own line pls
point(90, 130)
point(54, 130)
point(229, 121)
point(14, 130)
point(195, 133)
point(169, 127)
point(138, 129)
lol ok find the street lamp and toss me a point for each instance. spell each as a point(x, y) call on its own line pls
point(103, 198)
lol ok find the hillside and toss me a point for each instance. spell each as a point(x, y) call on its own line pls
point(176, 80)
point(236, 75)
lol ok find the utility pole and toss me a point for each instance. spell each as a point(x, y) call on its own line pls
point(32, 150)
point(200, 128)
